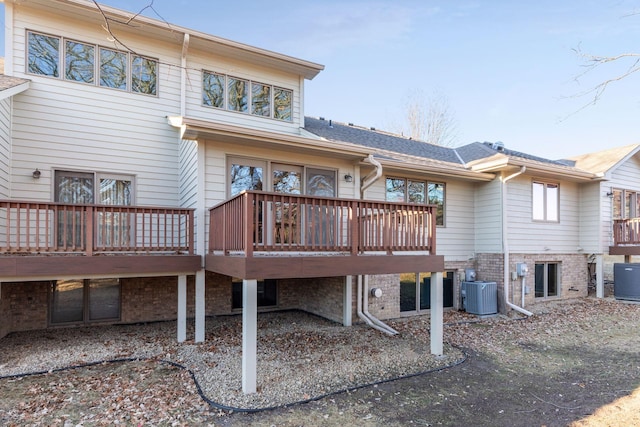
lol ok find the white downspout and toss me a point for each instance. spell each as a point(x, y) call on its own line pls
point(361, 314)
point(372, 177)
point(382, 326)
point(363, 297)
point(505, 245)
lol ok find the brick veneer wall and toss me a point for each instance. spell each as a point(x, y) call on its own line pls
point(388, 305)
point(24, 306)
point(573, 276)
point(321, 296)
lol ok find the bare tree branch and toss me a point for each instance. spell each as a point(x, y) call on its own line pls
point(430, 119)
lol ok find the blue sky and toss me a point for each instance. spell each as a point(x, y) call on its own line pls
point(506, 68)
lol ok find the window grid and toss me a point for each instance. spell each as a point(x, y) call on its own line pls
point(82, 62)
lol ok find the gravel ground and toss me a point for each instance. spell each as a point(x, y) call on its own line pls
point(301, 357)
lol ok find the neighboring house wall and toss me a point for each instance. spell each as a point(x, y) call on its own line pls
point(5, 147)
point(68, 125)
point(624, 177)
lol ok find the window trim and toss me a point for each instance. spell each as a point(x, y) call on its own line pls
point(62, 64)
point(545, 204)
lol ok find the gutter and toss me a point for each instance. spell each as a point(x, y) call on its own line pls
point(505, 243)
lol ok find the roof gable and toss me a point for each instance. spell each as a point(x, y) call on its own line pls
point(605, 161)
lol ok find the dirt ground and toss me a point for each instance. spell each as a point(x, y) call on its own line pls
point(574, 363)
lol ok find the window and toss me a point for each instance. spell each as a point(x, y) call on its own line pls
point(267, 293)
point(237, 100)
point(113, 228)
point(79, 62)
point(113, 69)
point(44, 55)
point(143, 75)
point(84, 301)
point(415, 291)
point(547, 279)
point(245, 96)
point(282, 102)
point(82, 61)
point(403, 190)
point(545, 201)
point(626, 204)
point(261, 100)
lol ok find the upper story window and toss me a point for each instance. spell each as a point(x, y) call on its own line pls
point(82, 62)
point(545, 201)
point(406, 190)
point(246, 96)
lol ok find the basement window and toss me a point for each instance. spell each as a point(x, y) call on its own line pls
point(267, 293)
point(547, 279)
point(84, 301)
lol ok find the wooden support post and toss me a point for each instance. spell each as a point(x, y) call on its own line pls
point(599, 277)
point(182, 308)
point(347, 301)
point(249, 335)
point(437, 314)
point(200, 307)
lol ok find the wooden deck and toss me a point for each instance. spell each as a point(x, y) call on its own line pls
point(270, 235)
point(626, 237)
point(39, 239)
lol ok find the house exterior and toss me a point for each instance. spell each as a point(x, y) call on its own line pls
point(614, 206)
point(152, 172)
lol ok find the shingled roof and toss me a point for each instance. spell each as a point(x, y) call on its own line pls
point(336, 131)
point(376, 139)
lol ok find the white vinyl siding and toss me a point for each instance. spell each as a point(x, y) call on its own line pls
point(529, 236)
point(65, 125)
point(199, 61)
point(488, 217)
point(456, 240)
point(592, 233)
point(5, 147)
point(188, 173)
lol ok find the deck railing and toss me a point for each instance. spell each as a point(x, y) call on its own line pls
point(626, 232)
point(272, 222)
point(28, 227)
